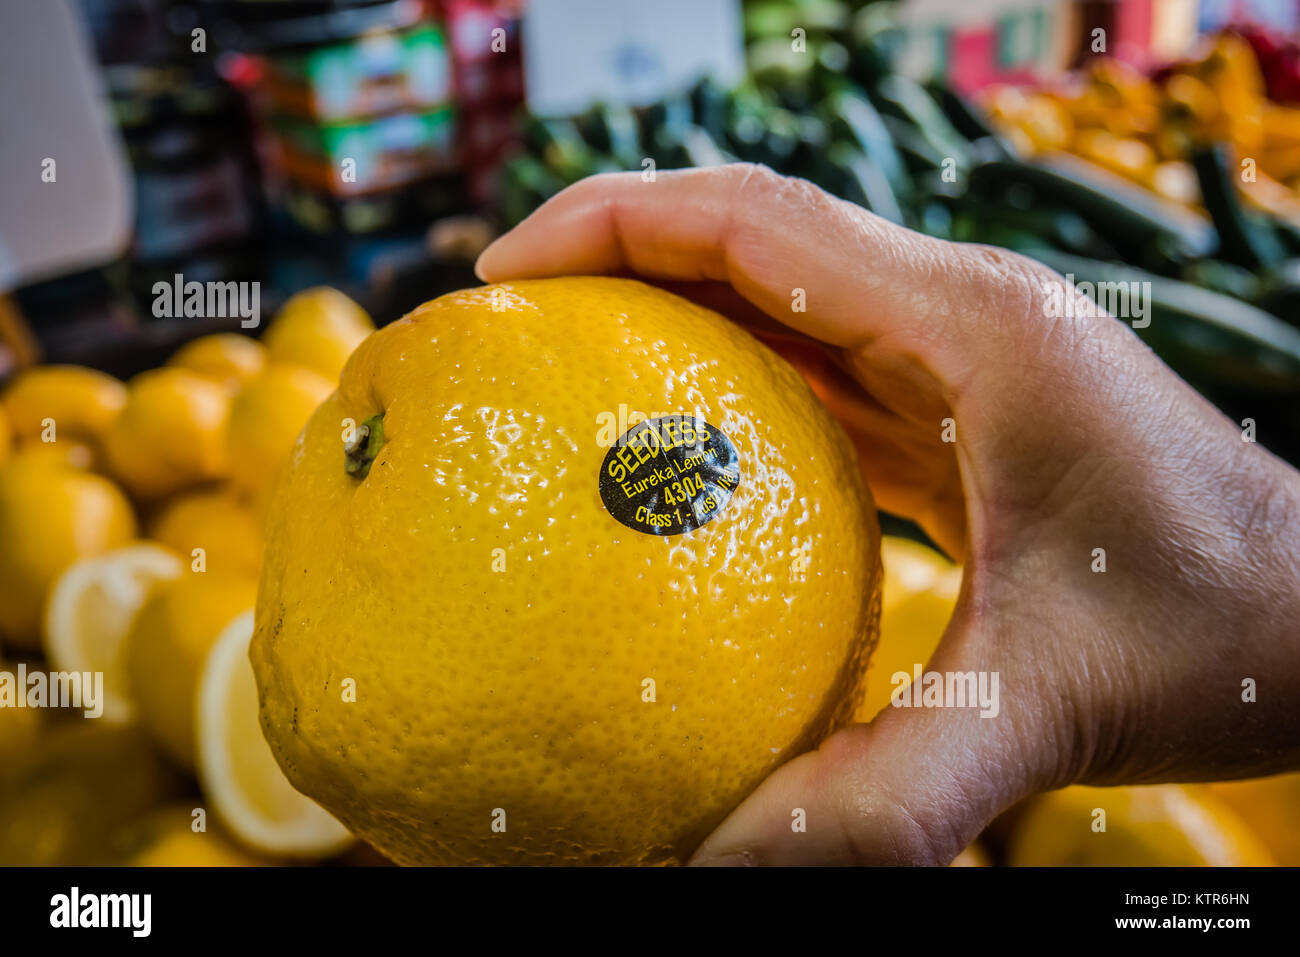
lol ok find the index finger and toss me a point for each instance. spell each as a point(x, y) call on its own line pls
point(782, 243)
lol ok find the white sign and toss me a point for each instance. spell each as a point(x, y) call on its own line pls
point(629, 52)
point(65, 195)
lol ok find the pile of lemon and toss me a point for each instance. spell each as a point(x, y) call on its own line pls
point(130, 545)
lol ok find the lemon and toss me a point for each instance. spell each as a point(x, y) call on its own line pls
point(79, 403)
point(6, 437)
point(70, 452)
point(215, 522)
point(59, 804)
point(1271, 806)
point(50, 516)
point(266, 418)
point(917, 600)
point(318, 328)
point(510, 619)
point(167, 837)
point(171, 433)
point(20, 728)
point(910, 568)
point(90, 611)
point(226, 357)
point(250, 793)
point(1165, 825)
point(166, 647)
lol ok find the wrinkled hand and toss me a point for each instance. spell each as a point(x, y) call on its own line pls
point(1070, 436)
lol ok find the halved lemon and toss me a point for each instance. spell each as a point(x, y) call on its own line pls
point(90, 610)
point(237, 771)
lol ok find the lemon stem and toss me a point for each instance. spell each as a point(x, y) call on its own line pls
point(365, 445)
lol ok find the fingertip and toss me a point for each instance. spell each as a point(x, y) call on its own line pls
point(484, 266)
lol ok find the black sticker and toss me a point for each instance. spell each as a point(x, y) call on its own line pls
point(669, 475)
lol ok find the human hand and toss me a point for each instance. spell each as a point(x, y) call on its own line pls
point(1070, 436)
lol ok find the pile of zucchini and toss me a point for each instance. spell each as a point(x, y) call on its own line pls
point(1225, 288)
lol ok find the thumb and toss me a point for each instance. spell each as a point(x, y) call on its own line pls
point(915, 786)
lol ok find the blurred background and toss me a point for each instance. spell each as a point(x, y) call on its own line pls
point(374, 147)
point(377, 146)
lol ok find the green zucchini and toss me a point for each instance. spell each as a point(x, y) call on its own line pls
point(1279, 291)
point(1219, 276)
point(853, 118)
point(1060, 228)
point(1212, 340)
point(863, 182)
point(1244, 240)
point(525, 185)
point(902, 97)
point(1143, 228)
point(967, 120)
point(709, 107)
point(557, 143)
point(700, 149)
point(918, 151)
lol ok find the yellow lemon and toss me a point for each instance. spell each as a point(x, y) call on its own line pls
point(1164, 825)
point(90, 611)
point(167, 645)
point(266, 418)
point(6, 437)
point(50, 516)
point(70, 452)
point(170, 435)
point(318, 328)
point(917, 600)
point(19, 727)
point(240, 778)
point(226, 357)
point(20, 730)
point(213, 531)
point(63, 402)
point(510, 618)
point(60, 803)
point(167, 837)
point(1271, 806)
point(909, 569)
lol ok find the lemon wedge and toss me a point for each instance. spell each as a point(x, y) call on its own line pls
point(238, 773)
point(90, 610)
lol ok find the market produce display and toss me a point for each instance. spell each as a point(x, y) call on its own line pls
point(1106, 204)
point(358, 596)
point(132, 521)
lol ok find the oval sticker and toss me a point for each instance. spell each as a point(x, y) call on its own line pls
point(669, 475)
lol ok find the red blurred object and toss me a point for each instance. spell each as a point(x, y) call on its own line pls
point(488, 79)
point(1279, 60)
